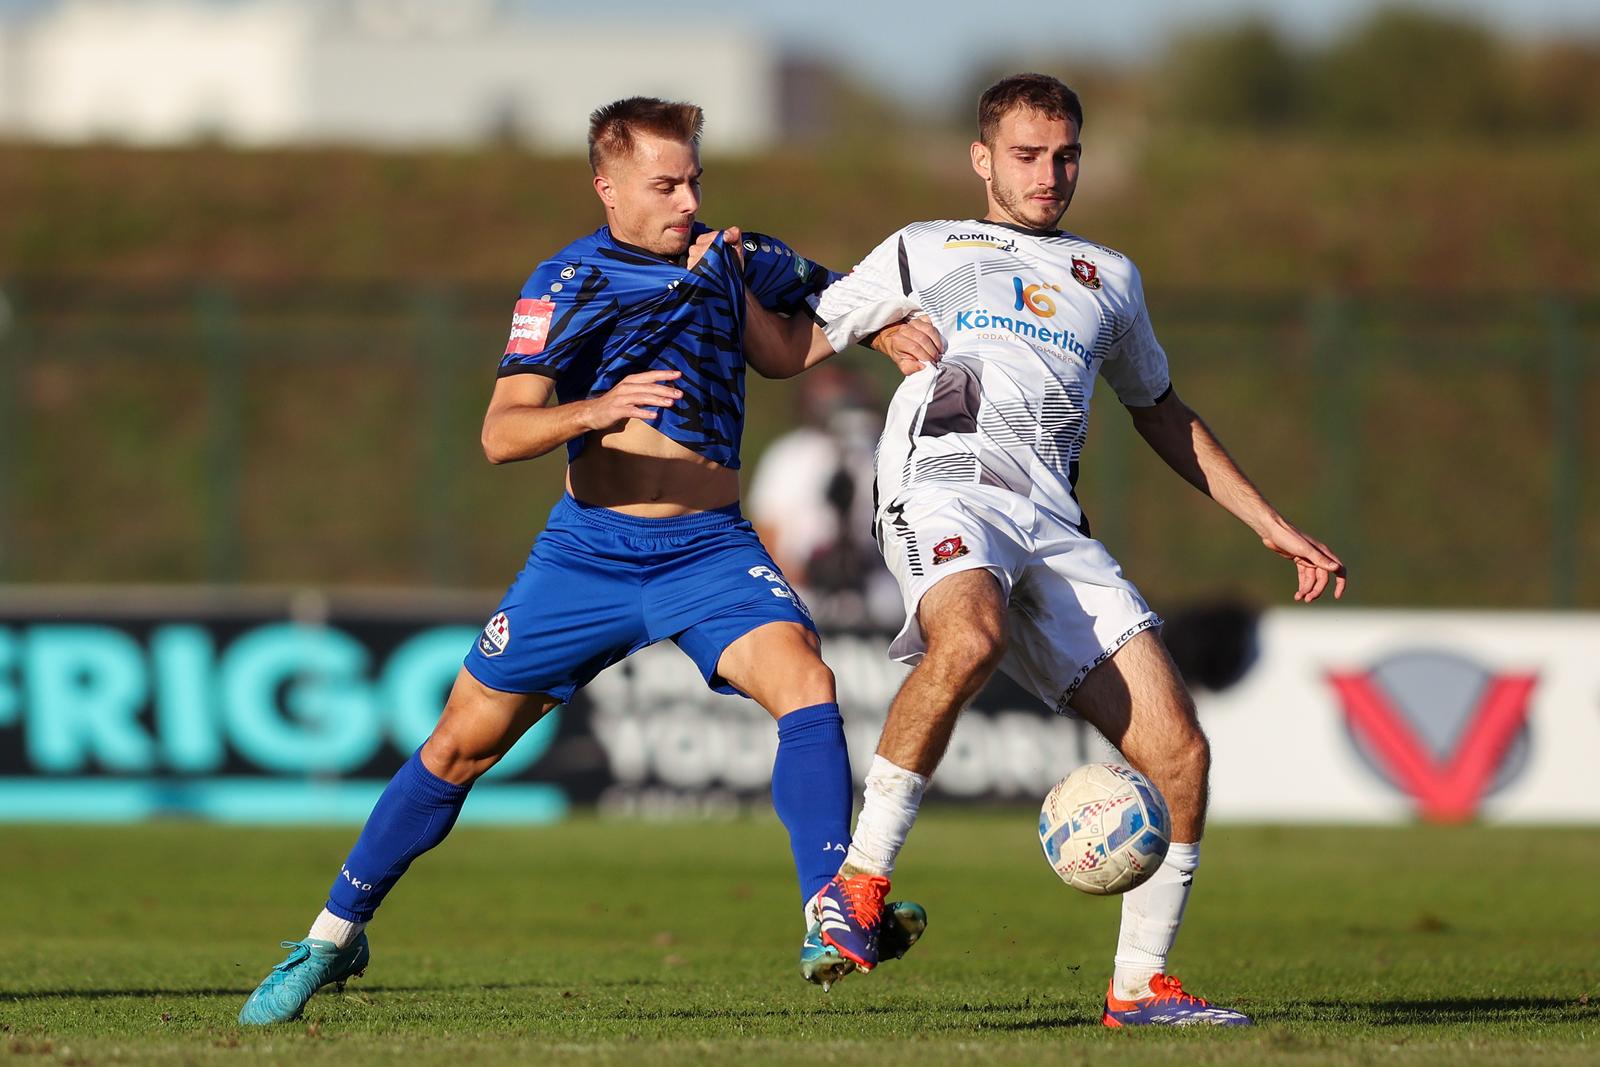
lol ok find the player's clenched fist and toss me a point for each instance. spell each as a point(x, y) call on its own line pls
point(913, 345)
point(638, 396)
point(703, 243)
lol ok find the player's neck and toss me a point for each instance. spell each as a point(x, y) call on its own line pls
point(626, 241)
point(997, 217)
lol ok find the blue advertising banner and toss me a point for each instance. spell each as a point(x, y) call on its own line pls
point(248, 709)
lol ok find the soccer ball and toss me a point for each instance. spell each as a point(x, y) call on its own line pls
point(1104, 828)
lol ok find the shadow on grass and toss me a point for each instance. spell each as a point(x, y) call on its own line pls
point(7, 996)
point(1444, 1011)
point(358, 986)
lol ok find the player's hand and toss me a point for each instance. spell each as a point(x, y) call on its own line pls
point(912, 345)
point(1314, 562)
point(702, 244)
point(638, 396)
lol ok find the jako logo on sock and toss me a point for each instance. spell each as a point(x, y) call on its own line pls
point(365, 887)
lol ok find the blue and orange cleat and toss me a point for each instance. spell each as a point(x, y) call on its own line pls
point(849, 912)
point(902, 925)
point(1168, 1005)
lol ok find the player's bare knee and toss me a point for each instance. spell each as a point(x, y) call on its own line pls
point(445, 757)
point(813, 684)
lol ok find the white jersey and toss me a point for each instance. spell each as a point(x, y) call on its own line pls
point(1029, 318)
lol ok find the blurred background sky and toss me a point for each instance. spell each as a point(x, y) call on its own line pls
point(924, 54)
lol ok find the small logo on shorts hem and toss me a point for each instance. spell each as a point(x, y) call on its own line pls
point(496, 635)
point(948, 549)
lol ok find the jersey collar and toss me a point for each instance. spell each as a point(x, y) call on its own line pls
point(1019, 229)
point(677, 261)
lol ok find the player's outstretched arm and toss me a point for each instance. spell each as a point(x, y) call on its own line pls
point(782, 346)
point(1184, 441)
point(521, 423)
point(779, 347)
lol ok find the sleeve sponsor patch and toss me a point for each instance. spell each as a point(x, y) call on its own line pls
point(530, 325)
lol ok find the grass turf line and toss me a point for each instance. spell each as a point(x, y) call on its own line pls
point(602, 942)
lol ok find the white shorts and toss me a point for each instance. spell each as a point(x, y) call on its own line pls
point(1070, 608)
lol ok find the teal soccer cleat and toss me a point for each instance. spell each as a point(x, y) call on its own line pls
point(311, 964)
point(901, 928)
point(902, 925)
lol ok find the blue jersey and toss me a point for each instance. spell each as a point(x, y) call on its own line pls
point(600, 310)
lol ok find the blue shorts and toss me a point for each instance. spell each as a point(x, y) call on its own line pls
point(600, 585)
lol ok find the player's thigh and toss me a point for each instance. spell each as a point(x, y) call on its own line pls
point(573, 610)
point(955, 560)
point(1138, 701)
point(779, 666)
point(723, 589)
point(479, 725)
point(1071, 610)
point(963, 620)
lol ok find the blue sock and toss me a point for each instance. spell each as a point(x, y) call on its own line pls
point(414, 813)
point(811, 792)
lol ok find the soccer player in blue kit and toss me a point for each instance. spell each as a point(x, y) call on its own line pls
point(641, 331)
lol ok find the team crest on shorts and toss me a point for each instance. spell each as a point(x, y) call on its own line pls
point(496, 635)
point(948, 549)
point(1085, 273)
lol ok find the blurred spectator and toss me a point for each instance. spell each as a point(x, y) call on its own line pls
point(811, 501)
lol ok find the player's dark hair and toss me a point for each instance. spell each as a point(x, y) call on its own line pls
point(1033, 92)
point(612, 128)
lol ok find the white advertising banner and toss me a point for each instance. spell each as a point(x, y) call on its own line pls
point(1340, 716)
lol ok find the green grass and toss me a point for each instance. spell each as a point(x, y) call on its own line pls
point(599, 942)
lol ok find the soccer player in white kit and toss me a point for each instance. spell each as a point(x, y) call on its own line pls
point(979, 523)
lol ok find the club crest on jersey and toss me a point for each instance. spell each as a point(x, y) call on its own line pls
point(980, 240)
point(530, 325)
point(948, 549)
point(1085, 273)
point(496, 635)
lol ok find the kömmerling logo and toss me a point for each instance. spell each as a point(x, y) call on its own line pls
point(1064, 339)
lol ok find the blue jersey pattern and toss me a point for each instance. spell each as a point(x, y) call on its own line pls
point(600, 310)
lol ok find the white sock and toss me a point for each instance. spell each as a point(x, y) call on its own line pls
point(329, 927)
point(1151, 916)
point(893, 796)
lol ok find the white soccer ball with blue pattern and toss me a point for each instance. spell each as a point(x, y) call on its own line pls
point(1104, 828)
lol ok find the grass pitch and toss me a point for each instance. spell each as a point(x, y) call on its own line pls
point(600, 942)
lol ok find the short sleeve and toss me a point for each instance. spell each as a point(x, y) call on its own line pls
point(875, 294)
point(564, 310)
point(1136, 367)
point(780, 278)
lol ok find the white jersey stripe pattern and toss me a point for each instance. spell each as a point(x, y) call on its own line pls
point(1030, 319)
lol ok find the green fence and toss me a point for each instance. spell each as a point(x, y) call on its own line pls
point(328, 435)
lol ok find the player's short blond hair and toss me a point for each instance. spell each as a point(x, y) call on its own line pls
point(1031, 92)
point(612, 128)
